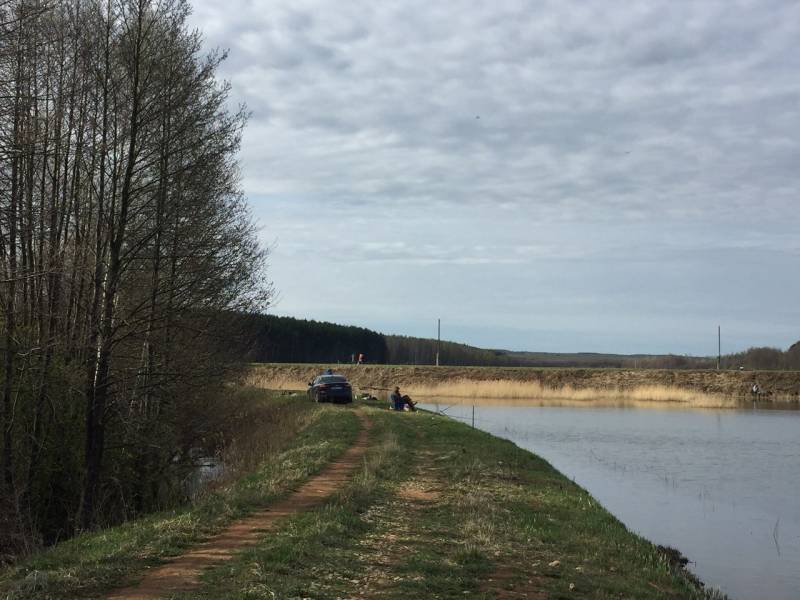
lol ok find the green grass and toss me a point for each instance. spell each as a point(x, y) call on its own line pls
point(525, 515)
point(502, 512)
point(89, 564)
point(492, 512)
point(312, 554)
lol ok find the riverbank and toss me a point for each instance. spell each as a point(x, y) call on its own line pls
point(711, 389)
point(437, 509)
point(720, 485)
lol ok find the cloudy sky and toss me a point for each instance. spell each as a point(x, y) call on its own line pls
point(543, 175)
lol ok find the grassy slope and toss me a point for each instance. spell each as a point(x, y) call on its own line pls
point(92, 563)
point(500, 514)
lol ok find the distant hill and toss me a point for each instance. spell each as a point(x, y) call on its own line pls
point(599, 360)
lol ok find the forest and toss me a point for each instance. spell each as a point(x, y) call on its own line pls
point(269, 338)
point(123, 234)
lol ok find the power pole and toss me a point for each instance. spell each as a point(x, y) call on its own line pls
point(438, 339)
point(719, 346)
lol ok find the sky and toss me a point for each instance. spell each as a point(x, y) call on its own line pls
point(549, 176)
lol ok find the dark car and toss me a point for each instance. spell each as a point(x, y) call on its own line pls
point(330, 388)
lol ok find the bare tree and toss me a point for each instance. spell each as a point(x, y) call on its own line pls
point(123, 233)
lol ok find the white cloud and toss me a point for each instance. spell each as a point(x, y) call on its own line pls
point(495, 138)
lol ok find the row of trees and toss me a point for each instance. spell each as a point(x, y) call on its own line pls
point(123, 233)
point(408, 350)
point(270, 338)
point(759, 358)
point(285, 339)
point(404, 350)
point(765, 358)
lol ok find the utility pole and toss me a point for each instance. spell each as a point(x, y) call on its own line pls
point(438, 339)
point(719, 346)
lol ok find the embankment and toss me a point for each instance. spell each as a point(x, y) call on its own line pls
point(434, 509)
point(697, 387)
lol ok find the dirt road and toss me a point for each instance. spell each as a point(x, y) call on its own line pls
point(183, 573)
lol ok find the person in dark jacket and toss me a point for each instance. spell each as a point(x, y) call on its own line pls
point(399, 402)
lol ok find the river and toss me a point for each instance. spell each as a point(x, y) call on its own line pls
point(722, 486)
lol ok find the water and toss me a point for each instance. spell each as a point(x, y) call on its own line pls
point(207, 469)
point(721, 486)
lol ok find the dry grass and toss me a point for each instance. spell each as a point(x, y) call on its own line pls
point(263, 380)
point(526, 392)
point(668, 387)
point(478, 510)
point(380, 457)
point(254, 427)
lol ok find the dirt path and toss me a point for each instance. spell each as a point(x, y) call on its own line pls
point(183, 573)
point(399, 534)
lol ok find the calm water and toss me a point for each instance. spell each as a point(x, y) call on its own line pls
point(721, 486)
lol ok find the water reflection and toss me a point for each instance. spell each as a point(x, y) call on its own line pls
point(621, 402)
point(207, 470)
point(722, 486)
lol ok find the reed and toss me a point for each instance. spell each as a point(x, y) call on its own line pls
point(519, 392)
point(268, 380)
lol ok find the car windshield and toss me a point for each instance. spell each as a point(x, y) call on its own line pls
point(332, 379)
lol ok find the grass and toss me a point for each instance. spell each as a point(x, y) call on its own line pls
point(522, 391)
point(312, 554)
point(437, 510)
point(303, 440)
point(642, 387)
point(496, 521)
point(257, 378)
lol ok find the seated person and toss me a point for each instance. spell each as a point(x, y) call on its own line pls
point(399, 402)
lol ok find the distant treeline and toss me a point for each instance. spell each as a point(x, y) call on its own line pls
point(759, 359)
point(765, 359)
point(269, 338)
